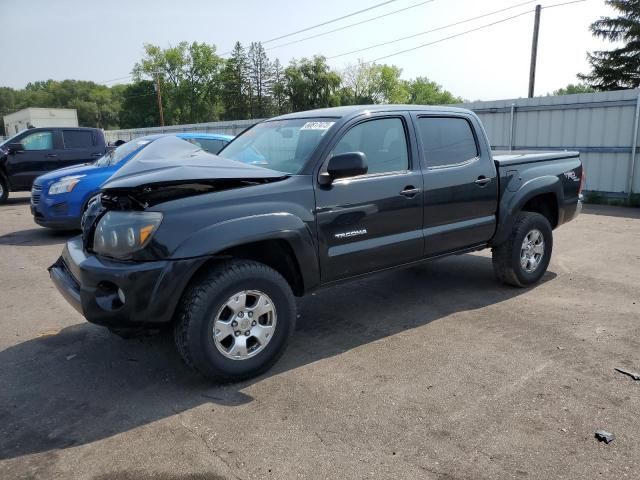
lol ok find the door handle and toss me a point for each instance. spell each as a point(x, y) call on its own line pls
point(483, 181)
point(96, 154)
point(51, 155)
point(410, 191)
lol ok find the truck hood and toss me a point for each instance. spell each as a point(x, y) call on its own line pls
point(172, 161)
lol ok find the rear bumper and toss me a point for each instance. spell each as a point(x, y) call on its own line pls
point(119, 294)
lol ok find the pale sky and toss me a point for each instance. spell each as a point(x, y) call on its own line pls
point(100, 41)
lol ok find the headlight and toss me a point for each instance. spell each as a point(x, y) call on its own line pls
point(119, 234)
point(64, 185)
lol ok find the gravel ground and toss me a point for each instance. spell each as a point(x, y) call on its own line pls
point(434, 372)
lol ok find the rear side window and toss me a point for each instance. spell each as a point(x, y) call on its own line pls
point(77, 138)
point(446, 141)
point(383, 141)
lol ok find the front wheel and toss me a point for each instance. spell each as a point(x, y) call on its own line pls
point(4, 189)
point(524, 257)
point(234, 322)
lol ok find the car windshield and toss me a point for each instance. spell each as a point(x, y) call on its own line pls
point(120, 153)
point(283, 145)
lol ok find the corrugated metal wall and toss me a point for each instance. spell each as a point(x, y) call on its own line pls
point(228, 128)
point(599, 125)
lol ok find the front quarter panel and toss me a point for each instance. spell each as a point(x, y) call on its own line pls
point(207, 224)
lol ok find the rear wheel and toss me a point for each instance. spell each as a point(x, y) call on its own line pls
point(234, 322)
point(523, 259)
point(4, 189)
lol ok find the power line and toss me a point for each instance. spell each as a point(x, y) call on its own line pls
point(377, 5)
point(115, 79)
point(470, 31)
point(431, 31)
point(350, 25)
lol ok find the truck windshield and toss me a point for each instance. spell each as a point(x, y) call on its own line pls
point(118, 154)
point(283, 145)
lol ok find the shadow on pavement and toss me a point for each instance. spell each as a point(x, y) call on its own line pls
point(611, 211)
point(37, 237)
point(84, 384)
point(16, 200)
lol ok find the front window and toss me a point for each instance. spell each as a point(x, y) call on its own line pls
point(282, 145)
point(38, 141)
point(118, 154)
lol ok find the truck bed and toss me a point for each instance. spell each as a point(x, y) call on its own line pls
point(516, 157)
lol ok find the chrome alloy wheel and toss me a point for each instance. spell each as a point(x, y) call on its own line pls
point(244, 325)
point(1, 189)
point(532, 251)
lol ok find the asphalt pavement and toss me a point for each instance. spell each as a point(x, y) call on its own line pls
point(433, 372)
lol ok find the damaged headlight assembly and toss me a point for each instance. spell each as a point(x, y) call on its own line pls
point(119, 234)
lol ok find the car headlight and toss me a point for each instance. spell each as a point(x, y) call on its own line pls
point(119, 234)
point(65, 184)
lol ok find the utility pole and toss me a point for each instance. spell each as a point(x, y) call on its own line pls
point(534, 52)
point(159, 99)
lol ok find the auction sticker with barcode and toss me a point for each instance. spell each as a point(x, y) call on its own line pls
point(317, 125)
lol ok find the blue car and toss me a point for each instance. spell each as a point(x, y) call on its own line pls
point(59, 198)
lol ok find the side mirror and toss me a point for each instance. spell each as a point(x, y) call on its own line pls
point(15, 147)
point(344, 165)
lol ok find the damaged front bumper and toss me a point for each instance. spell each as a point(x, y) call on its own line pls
point(120, 294)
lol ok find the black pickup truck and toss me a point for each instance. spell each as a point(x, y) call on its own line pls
point(36, 151)
point(218, 246)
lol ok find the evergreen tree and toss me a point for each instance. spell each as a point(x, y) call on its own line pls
point(618, 68)
point(260, 80)
point(278, 90)
point(235, 85)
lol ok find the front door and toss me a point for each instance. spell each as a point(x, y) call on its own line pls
point(460, 183)
point(372, 221)
point(38, 156)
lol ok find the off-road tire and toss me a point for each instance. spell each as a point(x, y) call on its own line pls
point(506, 257)
point(203, 298)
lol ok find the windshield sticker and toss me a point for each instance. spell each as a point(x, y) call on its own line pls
point(317, 125)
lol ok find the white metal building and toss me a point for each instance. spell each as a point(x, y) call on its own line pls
point(39, 117)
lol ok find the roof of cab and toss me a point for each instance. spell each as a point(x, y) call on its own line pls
point(353, 110)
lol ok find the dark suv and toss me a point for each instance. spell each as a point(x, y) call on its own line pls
point(33, 152)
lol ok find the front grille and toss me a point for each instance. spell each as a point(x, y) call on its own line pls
point(36, 190)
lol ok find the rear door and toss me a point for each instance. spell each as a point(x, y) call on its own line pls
point(373, 221)
point(460, 182)
point(41, 149)
point(80, 146)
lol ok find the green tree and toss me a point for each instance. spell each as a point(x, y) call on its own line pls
point(371, 83)
point(139, 105)
point(422, 91)
point(97, 105)
point(260, 72)
point(235, 85)
point(8, 104)
point(572, 89)
point(310, 83)
point(190, 79)
point(618, 68)
point(278, 90)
